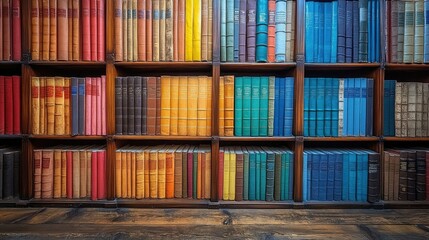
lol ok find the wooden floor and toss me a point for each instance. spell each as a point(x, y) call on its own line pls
point(125, 223)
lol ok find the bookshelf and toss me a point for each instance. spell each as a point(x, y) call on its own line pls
point(299, 69)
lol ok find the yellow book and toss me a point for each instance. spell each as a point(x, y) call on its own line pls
point(146, 173)
point(232, 169)
point(182, 123)
point(196, 33)
point(59, 106)
point(210, 32)
point(161, 172)
point(192, 105)
point(189, 23)
point(35, 105)
point(174, 104)
point(124, 175)
point(42, 114)
point(165, 104)
point(118, 174)
point(133, 174)
point(57, 173)
point(153, 173)
point(222, 106)
point(129, 172)
point(67, 105)
point(202, 106)
point(226, 174)
point(140, 170)
point(50, 104)
point(229, 106)
point(209, 107)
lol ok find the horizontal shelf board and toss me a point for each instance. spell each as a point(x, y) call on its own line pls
point(161, 203)
point(258, 204)
point(63, 137)
point(11, 136)
point(11, 202)
point(166, 65)
point(67, 203)
point(10, 62)
point(406, 139)
point(66, 63)
point(171, 138)
point(257, 139)
point(341, 204)
point(408, 67)
point(256, 66)
point(406, 204)
point(340, 66)
point(341, 139)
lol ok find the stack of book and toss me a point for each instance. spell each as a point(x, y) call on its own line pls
point(255, 173)
point(257, 30)
point(407, 31)
point(54, 113)
point(68, 30)
point(10, 159)
point(341, 175)
point(164, 171)
point(166, 105)
point(406, 109)
point(70, 172)
point(338, 107)
point(163, 30)
point(405, 174)
point(256, 106)
point(10, 30)
point(10, 105)
point(342, 31)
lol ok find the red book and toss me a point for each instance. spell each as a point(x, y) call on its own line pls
point(16, 83)
point(220, 179)
point(93, 31)
point(2, 104)
point(94, 176)
point(94, 116)
point(103, 105)
point(101, 156)
point(6, 30)
point(86, 31)
point(88, 109)
point(16, 35)
point(101, 29)
point(69, 174)
point(9, 105)
point(99, 106)
point(190, 172)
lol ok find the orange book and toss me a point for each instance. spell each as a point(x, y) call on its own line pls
point(76, 31)
point(63, 29)
point(140, 174)
point(271, 31)
point(153, 173)
point(57, 173)
point(67, 106)
point(118, 31)
point(83, 173)
point(174, 104)
point(202, 106)
point(129, 171)
point(63, 174)
point(169, 170)
point(178, 171)
point(162, 30)
point(165, 104)
point(141, 30)
point(134, 34)
point(192, 105)
point(199, 174)
point(133, 174)
point(182, 122)
point(207, 173)
point(181, 30)
point(222, 106)
point(42, 114)
point(130, 31)
point(124, 174)
point(70, 29)
point(47, 173)
point(149, 29)
point(59, 106)
point(46, 34)
point(162, 160)
point(118, 174)
point(155, 30)
point(50, 104)
point(209, 107)
point(35, 105)
point(125, 29)
point(146, 173)
point(53, 30)
point(76, 174)
point(229, 106)
point(37, 181)
point(204, 30)
point(35, 27)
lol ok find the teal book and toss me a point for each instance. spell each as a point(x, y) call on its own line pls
point(312, 107)
point(247, 103)
point(320, 106)
point(280, 32)
point(359, 175)
point(335, 106)
point(254, 123)
point(238, 108)
point(263, 106)
point(258, 174)
point(245, 174)
point(362, 107)
point(288, 106)
point(352, 175)
point(271, 100)
point(277, 175)
point(252, 174)
point(264, 169)
point(356, 108)
point(327, 32)
point(285, 177)
point(223, 30)
point(321, 35)
point(306, 105)
point(328, 108)
point(290, 175)
point(261, 30)
point(230, 31)
point(309, 31)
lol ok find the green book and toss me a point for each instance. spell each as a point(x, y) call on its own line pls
point(271, 98)
point(263, 106)
point(285, 177)
point(247, 98)
point(230, 31)
point(254, 123)
point(258, 173)
point(238, 108)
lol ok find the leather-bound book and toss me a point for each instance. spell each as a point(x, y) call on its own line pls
point(57, 173)
point(411, 176)
point(50, 105)
point(239, 175)
point(178, 172)
point(134, 33)
point(158, 107)
point(174, 105)
point(165, 104)
point(101, 175)
point(169, 172)
point(196, 32)
point(93, 31)
point(35, 105)
point(125, 105)
point(63, 173)
point(16, 96)
point(53, 30)
point(118, 32)
point(46, 30)
point(153, 173)
point(182, 122)
point(420, 175)
point(204, 30)
point(69, 174)
point(2, 103)
point(87, 34)
point(81, 106)
point(83, 168)
point(141, 30)
point(403, 175)
point(35, 27)
point(144, 106)
point(151, 105)
point(89, 113)
point(271, 30)
point(202, 106)
point(222, 106)
point(118, 174)
point(162, 33)
point(6, 15)
point(139, 174)
point(59, 128)
point(103, 106)
point(47, 173)
point(138, 82)
point(37, 180)
point(16, 30)
point(181, 30)
point(8, 117)
point(94, 177)
point(43, 116)
point(374, 177)
point(8, 160)
point(193, 89)
point(125, 29)
point(229, 105)
point(155, 30)
point(101, 30)
point(130, 105)
point(149, 30)
point(70, 29)
point(251, 30)
point(76, 31)
point(118, 105)
point(63, 30)
point(169, 40)
point(175, 30)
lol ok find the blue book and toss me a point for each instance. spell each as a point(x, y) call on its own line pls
point(252, 174)
point(386, 108)
point(263, 107)
point(364, 183)
point(75, 104)
point(335, 106)
point(352, 176)
point(355, 36)
point(254, 122)
point(309, 30)
point(290, 175)
point(346, 171)
point(283, 185)
point(426, 32)
point(258, 174)
point(321, 36)
point(346, 107)
point(323, 175)
point(360, 178)
point(341, 39)
point(236, 29)
point(377, 32)
point(247, 105)
point(263, 192)
point(81, 108)
point(350, 106)
point(305, 176)
point(328, 107)
point(277, 106)
point(315, 176)
point(316, 31)
point(288, 113)
point(285, 176)
point(261, 30)
point(338, 175)
point(223, 30)
point(230, 31)
point(356, 105)
point(312, 107)
point(327, 32)
point(369, 106)
point(309, 175)
point(331, 176)
point(246, 171)
point(363, 115)
point(238, 108)
point(280, 37)
point(306, 105)
point(349, 31)
point(282, 99)
point(320, 107)
point(334, 32)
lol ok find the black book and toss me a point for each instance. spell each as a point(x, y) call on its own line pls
point(411, 176)
point(373, 177)
point(421, 175)
point(403, 158)
point(8, 174)
point(138, 105)
point(1, 171)
point(16, 166)
point(144, 106)
point(125, 105)
point(118, 105)
point(131, 126)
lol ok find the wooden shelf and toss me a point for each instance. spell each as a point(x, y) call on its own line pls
point(163, 203)
point(171, 66)
point(243, 67)
point(406, 204)
point(406, 139)
point(341, 66)
point(67, 137)
point(258, 204)
point(67, 63)
point(3, 137)
point(162, 138)
point(68, 203)
point(341, 139)
point(10, 63)
point(12, 202)
point(257, 139)
point(406, 67)
point(341, 205)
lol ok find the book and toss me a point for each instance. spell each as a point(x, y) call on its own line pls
point(261, 31)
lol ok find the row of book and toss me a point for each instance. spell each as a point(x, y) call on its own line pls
point(338, 107)
point(342, 31)
point(406, 109)
point(163, 30)
point(256, 106)
point(407, 31)
point(255, 173)
point(70, 172)
point(10, 105)
point(257, 30)
point(341, 175)
point(166, 105)
point(163, 171)
point(405, 174)
point(10, 159)
point(54, 113)
point(10, 30)
point(68, 30)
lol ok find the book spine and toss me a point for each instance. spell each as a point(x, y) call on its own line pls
point(130, 105)
point(149, 30)
point(88, 21)
point(165, 104)
point(35, 30)
point(236, 29)
point(426, 32)
point(101, 30)
point(118, 31)
point(263, 106)
point(181, 30)
point(271, 100)
point(239, 176)
point(262, 31)
point(204, 30)
point(271, 30)
point(162, 29)
point(141, 30)
point(280, 31)
point(419, 21)
point(76, 42)
point(16, 96)
point(242, 31)
point(255, 106)
point(59, 127)
point(35, 88)
point(16, 30)
point(169, 18)
point(409, 32)
point(251, 31)
point(356, 30)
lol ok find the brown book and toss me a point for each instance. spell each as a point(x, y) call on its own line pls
point(169, 31)
point(47, 173)
point(204, 30)
point(153, 173)
point(134, 33)
point(146, 173)
point(37, 184)
point(118, 174)
point(63, 174)
point(239, 175)
point(149, 29)
point(63, 38)
point(162, 159)
point(125, 29)
point(129, 171)
point(390, 173)
point(57, 173)
point(178, 172)
point(76, 174)
point(158, 107)
point(155, 30)
point(141, 30)
point(42, 113)
point(181, 30)
point(175, 30)
point(207, 173)
point(70, 29)
point(151, 105)
point(46, 34)
point(396, 167)
point(53, 30)
point(386, 160)
point(130, 30)
point(185, 170)
point(35, 27)
point(124, 175)
point(118, 31)
point(76, 31)
point(162, 29)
